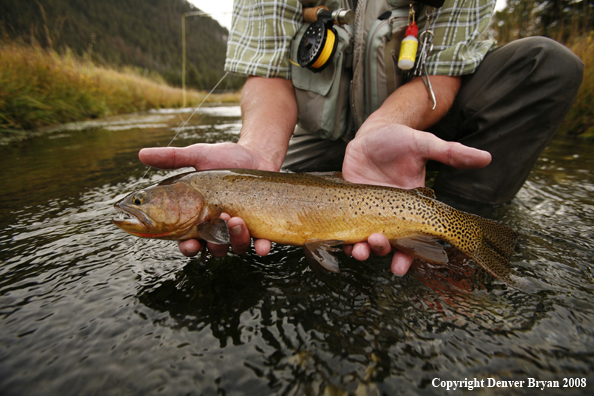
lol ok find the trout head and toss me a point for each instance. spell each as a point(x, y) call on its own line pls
point(163, 211)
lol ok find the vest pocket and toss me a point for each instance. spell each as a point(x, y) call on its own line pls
point(323, 98)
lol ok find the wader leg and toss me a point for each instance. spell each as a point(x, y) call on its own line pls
point(511, 106)
point(310, 153)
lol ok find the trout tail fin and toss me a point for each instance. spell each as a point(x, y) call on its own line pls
point(494, 248)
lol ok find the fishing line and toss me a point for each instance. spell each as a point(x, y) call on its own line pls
point(184, 123)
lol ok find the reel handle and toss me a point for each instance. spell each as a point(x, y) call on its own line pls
point(340, 16)
point(310, 14)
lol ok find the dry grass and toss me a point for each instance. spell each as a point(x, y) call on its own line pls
point(40, 88)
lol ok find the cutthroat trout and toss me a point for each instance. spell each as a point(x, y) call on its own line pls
point(317, 211)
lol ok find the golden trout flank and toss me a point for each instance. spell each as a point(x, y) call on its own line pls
point(317, 211)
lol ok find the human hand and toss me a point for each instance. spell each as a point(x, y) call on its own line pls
point(212, 156)
point(396, 155)
point(269, 115)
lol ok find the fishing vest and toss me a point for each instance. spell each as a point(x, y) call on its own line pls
point(362, 73)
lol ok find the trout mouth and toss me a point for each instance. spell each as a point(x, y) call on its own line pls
point(130, 217)
point(125, 218)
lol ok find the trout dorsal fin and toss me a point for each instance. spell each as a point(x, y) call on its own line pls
point(425, 247)
point(318, 252)
point(335, 177)
point(425, 192)
point(214, 231)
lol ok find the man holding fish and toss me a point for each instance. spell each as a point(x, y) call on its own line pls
point(485, 113)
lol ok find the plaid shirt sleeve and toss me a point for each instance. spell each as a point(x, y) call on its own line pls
point(260, 37)
point(458, 45)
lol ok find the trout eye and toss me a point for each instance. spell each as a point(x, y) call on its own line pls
point(139, 198)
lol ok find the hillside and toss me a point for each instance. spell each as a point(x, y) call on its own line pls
point(141, 33)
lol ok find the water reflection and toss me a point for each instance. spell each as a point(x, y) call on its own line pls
point(86, 309)
point(352, 330)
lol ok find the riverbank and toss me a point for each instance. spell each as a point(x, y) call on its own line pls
point(40, 88)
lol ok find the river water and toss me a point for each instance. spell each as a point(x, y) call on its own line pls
point(86, 309)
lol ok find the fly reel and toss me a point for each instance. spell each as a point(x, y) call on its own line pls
point(317, 47)
point(319, 42)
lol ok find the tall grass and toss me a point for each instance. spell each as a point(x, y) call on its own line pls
point(39, 87)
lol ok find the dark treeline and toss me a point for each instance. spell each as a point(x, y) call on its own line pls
point(570, 22)
point(141, 33)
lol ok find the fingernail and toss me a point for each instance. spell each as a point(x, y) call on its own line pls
point(190, 252)
point(236, 230)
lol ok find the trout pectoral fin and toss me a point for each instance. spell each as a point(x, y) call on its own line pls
point(214, 231)
point(318, 252)
point(422, 246)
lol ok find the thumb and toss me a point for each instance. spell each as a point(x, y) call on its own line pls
point(456, 155)
point(169, 157)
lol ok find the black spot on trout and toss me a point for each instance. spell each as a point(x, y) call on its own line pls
point(317, 211)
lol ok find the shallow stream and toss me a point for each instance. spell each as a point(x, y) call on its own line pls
point(86, 309)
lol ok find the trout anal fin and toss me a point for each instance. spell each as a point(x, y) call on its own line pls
point(214, 231)
point(319, 252)
point(425, 247)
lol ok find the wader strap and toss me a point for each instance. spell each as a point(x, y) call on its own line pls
point(390, 72)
